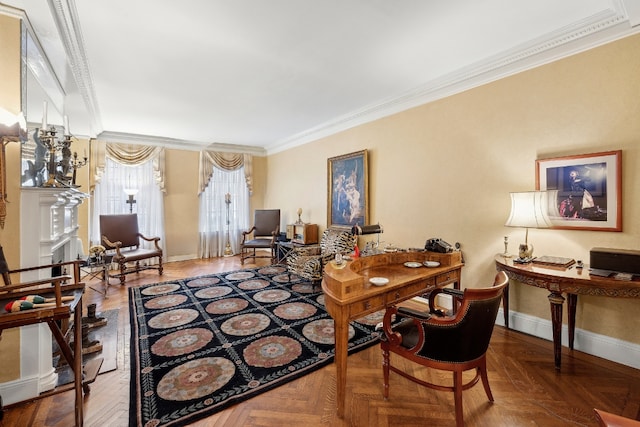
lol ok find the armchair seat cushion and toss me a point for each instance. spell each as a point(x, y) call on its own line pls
point(136, 254)
point(259, 243)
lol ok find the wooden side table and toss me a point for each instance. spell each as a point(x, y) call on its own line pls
point(569, 281)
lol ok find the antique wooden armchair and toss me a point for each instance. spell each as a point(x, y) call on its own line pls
point(455, 343)
point(266, 226)
point(121, 238)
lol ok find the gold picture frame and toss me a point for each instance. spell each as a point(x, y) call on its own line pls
point(589, 190)
point(348, 190)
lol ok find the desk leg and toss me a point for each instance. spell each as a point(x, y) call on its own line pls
point(556, 300)
point(505, 305)
point(341, 328)
point(572, 302)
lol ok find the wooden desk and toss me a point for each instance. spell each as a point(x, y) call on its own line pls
point(349, 295)
point(571, 281)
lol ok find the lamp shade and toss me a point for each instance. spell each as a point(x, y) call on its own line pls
point(529, 209)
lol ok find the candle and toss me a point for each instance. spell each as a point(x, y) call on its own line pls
point(66, 125)
point(44, 115)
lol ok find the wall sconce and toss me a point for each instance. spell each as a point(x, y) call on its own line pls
point(13, 128)
point(131, 193)
point(529, 210)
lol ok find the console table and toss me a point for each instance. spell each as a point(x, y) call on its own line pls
point(571, 281)
point(349, 295)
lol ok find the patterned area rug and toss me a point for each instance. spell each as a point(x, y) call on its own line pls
point(200, 345)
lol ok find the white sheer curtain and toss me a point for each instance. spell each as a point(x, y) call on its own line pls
point(109, 198)
point(213, 212)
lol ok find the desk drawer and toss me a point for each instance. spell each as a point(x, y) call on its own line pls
point(395, 296)
point(368, 305)
point(447, 278)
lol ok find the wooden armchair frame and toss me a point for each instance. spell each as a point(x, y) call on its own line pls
point(121, 238)
point(455, 343)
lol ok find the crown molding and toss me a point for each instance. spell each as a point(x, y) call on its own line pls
point(66, 19)
point(608, 25)
point(179, 144)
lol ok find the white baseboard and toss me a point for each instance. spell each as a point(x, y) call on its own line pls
point(182, 258)
point(19, 390)
point(623, 352)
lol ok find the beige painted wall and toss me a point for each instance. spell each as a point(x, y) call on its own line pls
point(10, 234)
point(445, 169)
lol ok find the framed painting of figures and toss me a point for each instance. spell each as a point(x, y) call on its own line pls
point(348, 190)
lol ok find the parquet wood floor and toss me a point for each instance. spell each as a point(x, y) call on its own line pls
point(528, 391)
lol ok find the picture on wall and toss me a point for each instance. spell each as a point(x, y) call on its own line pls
point(348, 190)
point(589, 190)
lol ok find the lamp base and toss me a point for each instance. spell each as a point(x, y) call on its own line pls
point(519, 260)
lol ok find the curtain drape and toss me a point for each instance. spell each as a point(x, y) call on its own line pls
point(225, 162)
point(126, 154)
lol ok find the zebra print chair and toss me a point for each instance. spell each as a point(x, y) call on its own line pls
point(308, 261)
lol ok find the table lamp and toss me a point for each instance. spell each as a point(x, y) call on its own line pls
point(529, 209)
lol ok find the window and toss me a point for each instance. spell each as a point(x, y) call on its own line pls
point(109, 198)
point(213, 212)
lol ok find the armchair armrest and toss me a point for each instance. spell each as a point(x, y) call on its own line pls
point(309, 250)
point(456, 295)
point(246, 233)
point(155, 240)
point(113, 245)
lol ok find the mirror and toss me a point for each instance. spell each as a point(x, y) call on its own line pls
point(42, 94)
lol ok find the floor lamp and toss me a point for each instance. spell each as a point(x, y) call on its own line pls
point(227, 249)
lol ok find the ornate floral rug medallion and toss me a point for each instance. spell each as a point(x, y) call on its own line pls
point(202, 344)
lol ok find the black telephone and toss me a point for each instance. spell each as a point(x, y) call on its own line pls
point(438, 245)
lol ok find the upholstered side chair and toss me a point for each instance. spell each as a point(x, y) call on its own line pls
point(121, 238)
point(454, 343)
point(262, 236)
point(308, 261)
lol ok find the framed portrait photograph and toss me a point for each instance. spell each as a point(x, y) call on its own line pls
point(587, 190)
point(348, 190)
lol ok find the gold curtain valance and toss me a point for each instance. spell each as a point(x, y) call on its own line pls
point(127, 154)
point(224, 161)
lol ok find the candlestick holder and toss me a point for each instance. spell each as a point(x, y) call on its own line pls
point(56, 178)
point(75, 165)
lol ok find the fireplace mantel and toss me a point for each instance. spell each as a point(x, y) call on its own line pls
point(49, 225)
point(48, 233)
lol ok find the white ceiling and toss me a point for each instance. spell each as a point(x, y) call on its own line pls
point(263, 76)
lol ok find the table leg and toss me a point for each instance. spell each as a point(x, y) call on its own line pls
point(572, 302)
point(341, 328)
point(556, 300)
point(505, 305)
